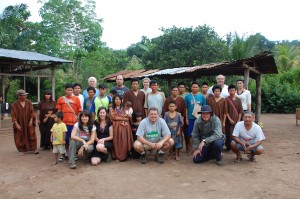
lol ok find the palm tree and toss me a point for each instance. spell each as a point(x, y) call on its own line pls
point(287, 57)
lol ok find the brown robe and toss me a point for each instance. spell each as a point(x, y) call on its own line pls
point(25, 139)
point(122, 139)
point(137, 101)
point(179, 104)
point(219, 108)
point(43, 107)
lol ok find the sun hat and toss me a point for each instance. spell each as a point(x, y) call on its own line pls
point(205, 109)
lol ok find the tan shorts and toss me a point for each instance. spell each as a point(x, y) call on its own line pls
point(59, 148)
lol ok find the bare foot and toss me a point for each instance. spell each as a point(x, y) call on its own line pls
point(21, 153)
point(177, 158)
point(170, 157)
point(56, 162)
point(36, 151)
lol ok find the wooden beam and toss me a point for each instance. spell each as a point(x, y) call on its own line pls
point(39, 89)
point(22, 75)
point(258, 97)
point(252, 69)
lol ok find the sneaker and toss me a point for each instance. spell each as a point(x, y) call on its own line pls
point(76, 158)
point(160, 158)
point(61, 159)
point(143, 158)
point(220, 162)
point(72, 166)
point(108, 157)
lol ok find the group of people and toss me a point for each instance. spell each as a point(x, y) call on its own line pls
point(136, 122)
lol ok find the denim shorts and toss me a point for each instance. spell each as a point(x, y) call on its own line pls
point(252, 150)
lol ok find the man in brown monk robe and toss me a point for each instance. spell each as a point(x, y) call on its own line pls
point(24, 122)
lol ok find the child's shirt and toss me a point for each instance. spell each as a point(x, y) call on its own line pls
point(173, 123)
point(58, 131)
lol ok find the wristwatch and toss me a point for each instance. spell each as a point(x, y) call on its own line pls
point(204, 141)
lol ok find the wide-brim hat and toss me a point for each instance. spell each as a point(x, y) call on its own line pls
point(205, 109)
point(21, 92)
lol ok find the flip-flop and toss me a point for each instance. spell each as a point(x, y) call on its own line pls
point(238, 159)
point(252, 159)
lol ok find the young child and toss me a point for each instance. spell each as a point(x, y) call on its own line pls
point(128, 111)
point(137, 118)
point(58, 136)
point(174, 122)
point(48, 123)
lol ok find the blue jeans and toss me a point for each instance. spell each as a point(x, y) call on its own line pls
point(213, 148)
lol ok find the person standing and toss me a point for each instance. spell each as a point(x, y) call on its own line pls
point(102, 100)
point(234, 114)
point(120, 88)
point(154, 99)
point(136, 97)
point(87, 104)
point(181, 90)
point(204, 89)
point(218, 105)
point(122, 137)
point(70, 106)
point(190, 100)
point(221, 82)
point(77, 92)
point(244, 95)
point(43, 106)
point(146, 84)
point(179, 101)
point(92, 81)
point(24, 122)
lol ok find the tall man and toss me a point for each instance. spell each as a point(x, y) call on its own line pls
point(136, 97)
point(153, 134)
point(190, 100)
point(207, 137)
point(221, 82)
point(247, 137)
point(154, 99)
point(120, 88)
point(92, 81)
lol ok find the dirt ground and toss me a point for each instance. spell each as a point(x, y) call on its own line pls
point(275, 175)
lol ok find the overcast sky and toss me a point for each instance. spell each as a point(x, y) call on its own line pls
point(126, 21)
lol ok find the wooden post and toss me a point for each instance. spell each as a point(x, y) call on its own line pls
point(53, 82)
point(39, 89)
point(258, 97)
point(3, 89)
point(246, 78)
point(24, 82)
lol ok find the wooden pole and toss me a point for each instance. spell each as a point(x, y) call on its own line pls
point(246, 78)
point(53, 82)
point(258, 97)
point(169, 86)
point(39, 89)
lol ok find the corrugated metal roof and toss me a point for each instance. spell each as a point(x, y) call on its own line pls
point(29, 56)
point(264, 63)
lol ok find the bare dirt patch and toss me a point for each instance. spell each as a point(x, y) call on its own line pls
point(275, 175)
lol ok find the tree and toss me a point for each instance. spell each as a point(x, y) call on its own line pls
point(244, 47)
point(184, 47)
point(287, 57)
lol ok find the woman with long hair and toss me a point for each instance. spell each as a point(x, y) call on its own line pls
point(122, 136)
point(103, 142)
point(44, 118)
point(82, 137)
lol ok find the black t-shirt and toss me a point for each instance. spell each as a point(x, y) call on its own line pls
point(102, 133)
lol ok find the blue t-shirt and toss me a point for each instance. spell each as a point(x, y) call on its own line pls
point(173, 123)
point(85, 93)
point(189, 103)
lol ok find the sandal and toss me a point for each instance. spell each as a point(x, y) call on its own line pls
point(252, 159)
point(238, 159)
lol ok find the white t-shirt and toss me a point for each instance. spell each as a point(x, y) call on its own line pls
point(245, 97)
point(255, 134)
point(85, 134)
point(224, 92)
